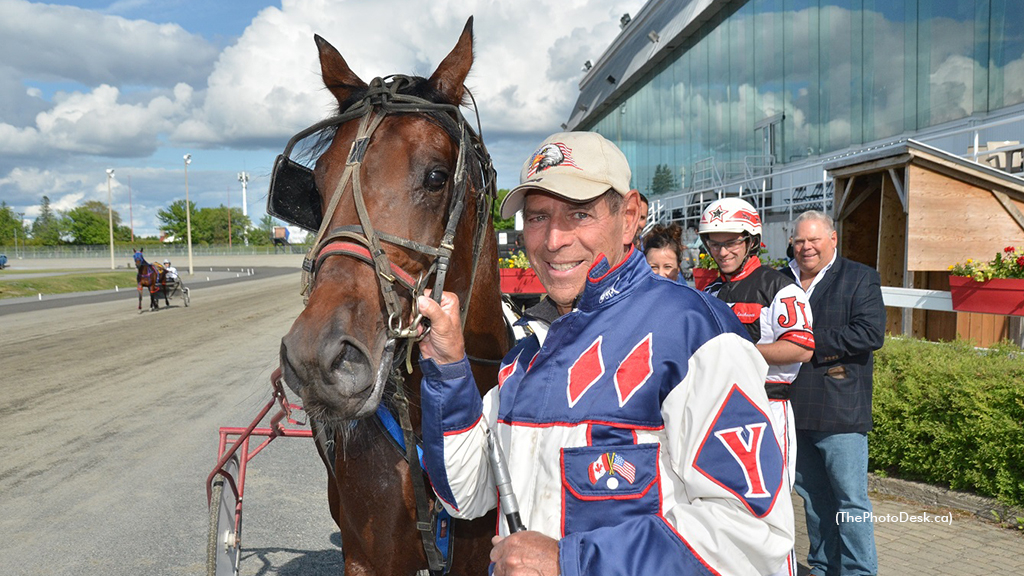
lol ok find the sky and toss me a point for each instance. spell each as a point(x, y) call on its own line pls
point(133, 85)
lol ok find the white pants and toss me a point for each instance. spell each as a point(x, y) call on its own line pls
point(785, 435)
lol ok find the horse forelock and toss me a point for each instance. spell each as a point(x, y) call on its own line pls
point(418, 87)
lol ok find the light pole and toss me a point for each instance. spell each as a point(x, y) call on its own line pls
point(188, 215)
point(229, 218)
point(131, 218)
point(243, 177)
point(110, 216)
point(21, 226)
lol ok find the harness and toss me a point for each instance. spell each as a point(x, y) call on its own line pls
point(293, 197)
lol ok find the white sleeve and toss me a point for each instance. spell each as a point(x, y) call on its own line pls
point(731, 506)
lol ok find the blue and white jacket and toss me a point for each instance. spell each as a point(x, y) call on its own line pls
point(638, 434)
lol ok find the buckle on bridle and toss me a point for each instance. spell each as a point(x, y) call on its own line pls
point(410, 332)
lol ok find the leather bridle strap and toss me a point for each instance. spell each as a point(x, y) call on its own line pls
point(367, 125)
point(363, 253)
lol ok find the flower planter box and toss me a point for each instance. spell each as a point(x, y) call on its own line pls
point(702, 277)
point(997, 296)
point(520, 281)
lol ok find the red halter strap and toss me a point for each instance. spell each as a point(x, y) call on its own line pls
point(362, 253)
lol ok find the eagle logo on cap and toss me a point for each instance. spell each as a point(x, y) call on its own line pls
point(549, 155)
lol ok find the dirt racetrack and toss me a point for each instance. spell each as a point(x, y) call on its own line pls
point(108, 428)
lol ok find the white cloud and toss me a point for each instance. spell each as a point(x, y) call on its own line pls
point(49, 42)
point(268, 84)
point(97, 123)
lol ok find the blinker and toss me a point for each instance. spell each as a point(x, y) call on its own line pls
point(293, 194)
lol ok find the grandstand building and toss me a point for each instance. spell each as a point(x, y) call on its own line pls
point(765, 98)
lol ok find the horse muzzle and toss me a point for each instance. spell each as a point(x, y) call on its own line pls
point(337, 379)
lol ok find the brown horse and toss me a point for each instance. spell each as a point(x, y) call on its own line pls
point(401, 200)
point(152, 277)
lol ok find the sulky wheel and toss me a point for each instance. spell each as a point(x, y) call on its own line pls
point(223, 546)
point(184, 294)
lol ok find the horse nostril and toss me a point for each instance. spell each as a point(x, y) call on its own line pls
point(351, 366)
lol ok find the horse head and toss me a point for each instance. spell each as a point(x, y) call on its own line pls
point(399, 197)
point(140, 260)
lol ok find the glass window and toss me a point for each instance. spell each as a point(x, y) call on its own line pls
point(1006, 61)
point(945, 71)
point(844, 73)
point(741, 82)
point(884, 70)
point(840, 75)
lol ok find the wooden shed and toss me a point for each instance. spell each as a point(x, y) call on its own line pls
point(910, 211)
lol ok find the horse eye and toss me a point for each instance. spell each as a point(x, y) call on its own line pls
point(436, 180)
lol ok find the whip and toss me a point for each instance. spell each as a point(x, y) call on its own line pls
point(507, 499)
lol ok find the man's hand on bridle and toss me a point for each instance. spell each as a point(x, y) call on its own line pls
point(443, 343)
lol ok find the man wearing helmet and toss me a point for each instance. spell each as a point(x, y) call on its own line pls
point(172, 272)
point(770, 305)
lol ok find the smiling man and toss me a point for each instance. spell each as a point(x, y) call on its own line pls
point(634, 418)
point(832, 399)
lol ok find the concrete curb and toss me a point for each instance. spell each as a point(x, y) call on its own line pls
point(981, 507)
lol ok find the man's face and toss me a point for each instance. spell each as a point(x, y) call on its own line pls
point(729, 249)
point(813, 246)
point(564, 239)
point(644, 211)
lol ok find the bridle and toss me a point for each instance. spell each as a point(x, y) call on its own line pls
point(365, 243)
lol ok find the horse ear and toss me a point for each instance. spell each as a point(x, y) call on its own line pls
point(451, 73)
point(338, 77)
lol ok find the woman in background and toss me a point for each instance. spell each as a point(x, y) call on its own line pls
point(663, 248)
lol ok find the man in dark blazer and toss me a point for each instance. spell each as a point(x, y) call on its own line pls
point(831, 400)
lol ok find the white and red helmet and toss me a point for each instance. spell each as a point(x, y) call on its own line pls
point(731, 215)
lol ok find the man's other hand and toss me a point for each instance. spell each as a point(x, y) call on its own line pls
point(525, 554)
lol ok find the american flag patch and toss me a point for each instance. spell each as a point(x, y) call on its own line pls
point(623, 468)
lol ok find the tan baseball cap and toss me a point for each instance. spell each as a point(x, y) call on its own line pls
point(578, 166)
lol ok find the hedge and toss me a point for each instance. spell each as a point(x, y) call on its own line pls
point(951, 415)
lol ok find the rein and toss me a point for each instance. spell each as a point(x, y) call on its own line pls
point(364, 243)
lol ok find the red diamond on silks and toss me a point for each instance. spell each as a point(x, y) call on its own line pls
point(585, 372)
point(507, 371)
point(634, 371)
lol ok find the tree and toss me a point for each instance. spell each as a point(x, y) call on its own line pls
point(217, 220)
point(263, 233)
point(663, 180)
point(49, 227)
point(89, 224)
point(11, 227)
point(499, 222)
point(123, 233)
point(173, 220)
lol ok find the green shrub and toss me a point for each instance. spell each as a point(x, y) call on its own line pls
point(951, 415)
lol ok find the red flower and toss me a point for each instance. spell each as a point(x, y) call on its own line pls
point(1020, 261)
point(1008, 249)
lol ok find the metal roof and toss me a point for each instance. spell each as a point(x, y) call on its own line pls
point(660, 27)
point(911, 147)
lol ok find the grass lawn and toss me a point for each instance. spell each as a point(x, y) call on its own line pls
point(76, 282)
point(14, 272)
